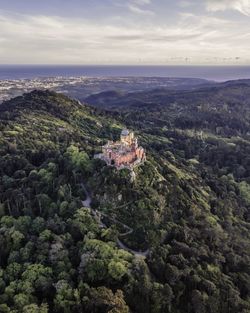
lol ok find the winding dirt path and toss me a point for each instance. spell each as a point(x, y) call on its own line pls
point(98, 215)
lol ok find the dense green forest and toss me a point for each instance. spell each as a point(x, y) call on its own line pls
point(188, 206)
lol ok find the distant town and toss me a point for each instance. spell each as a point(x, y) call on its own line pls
point(83, 86)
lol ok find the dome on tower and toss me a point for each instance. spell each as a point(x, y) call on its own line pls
point(125, 132)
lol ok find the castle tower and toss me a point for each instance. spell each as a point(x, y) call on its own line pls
point(127, 137)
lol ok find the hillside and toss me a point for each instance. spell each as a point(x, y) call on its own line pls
point(189, 205)
point(229, 99)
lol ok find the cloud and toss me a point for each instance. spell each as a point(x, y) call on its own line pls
point(185, 4)
point(162, 36)
point(141, 2)
point(197, 39)
point(136, 9)
point(242, 6)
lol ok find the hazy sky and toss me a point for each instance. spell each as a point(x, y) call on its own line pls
point(125, 31)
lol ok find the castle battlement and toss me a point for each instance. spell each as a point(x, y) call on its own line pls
point(124, 153)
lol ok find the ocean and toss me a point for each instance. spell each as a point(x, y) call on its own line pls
point(216, 73)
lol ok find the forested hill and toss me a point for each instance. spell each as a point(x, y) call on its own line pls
point(189, 205)
point(237, 92)
point(48, 120)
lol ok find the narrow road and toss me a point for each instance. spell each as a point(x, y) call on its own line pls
point(97, 214)
point(137, 253)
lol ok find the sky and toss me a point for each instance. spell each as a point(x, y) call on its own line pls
point(142, 32)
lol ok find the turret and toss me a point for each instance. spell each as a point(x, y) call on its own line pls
point(127, 137)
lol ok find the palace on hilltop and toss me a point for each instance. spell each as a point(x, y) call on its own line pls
point(124, 153)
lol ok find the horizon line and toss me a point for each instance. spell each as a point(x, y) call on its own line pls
point(123, 65)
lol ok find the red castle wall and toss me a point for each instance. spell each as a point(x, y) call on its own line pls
point(127, 158)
